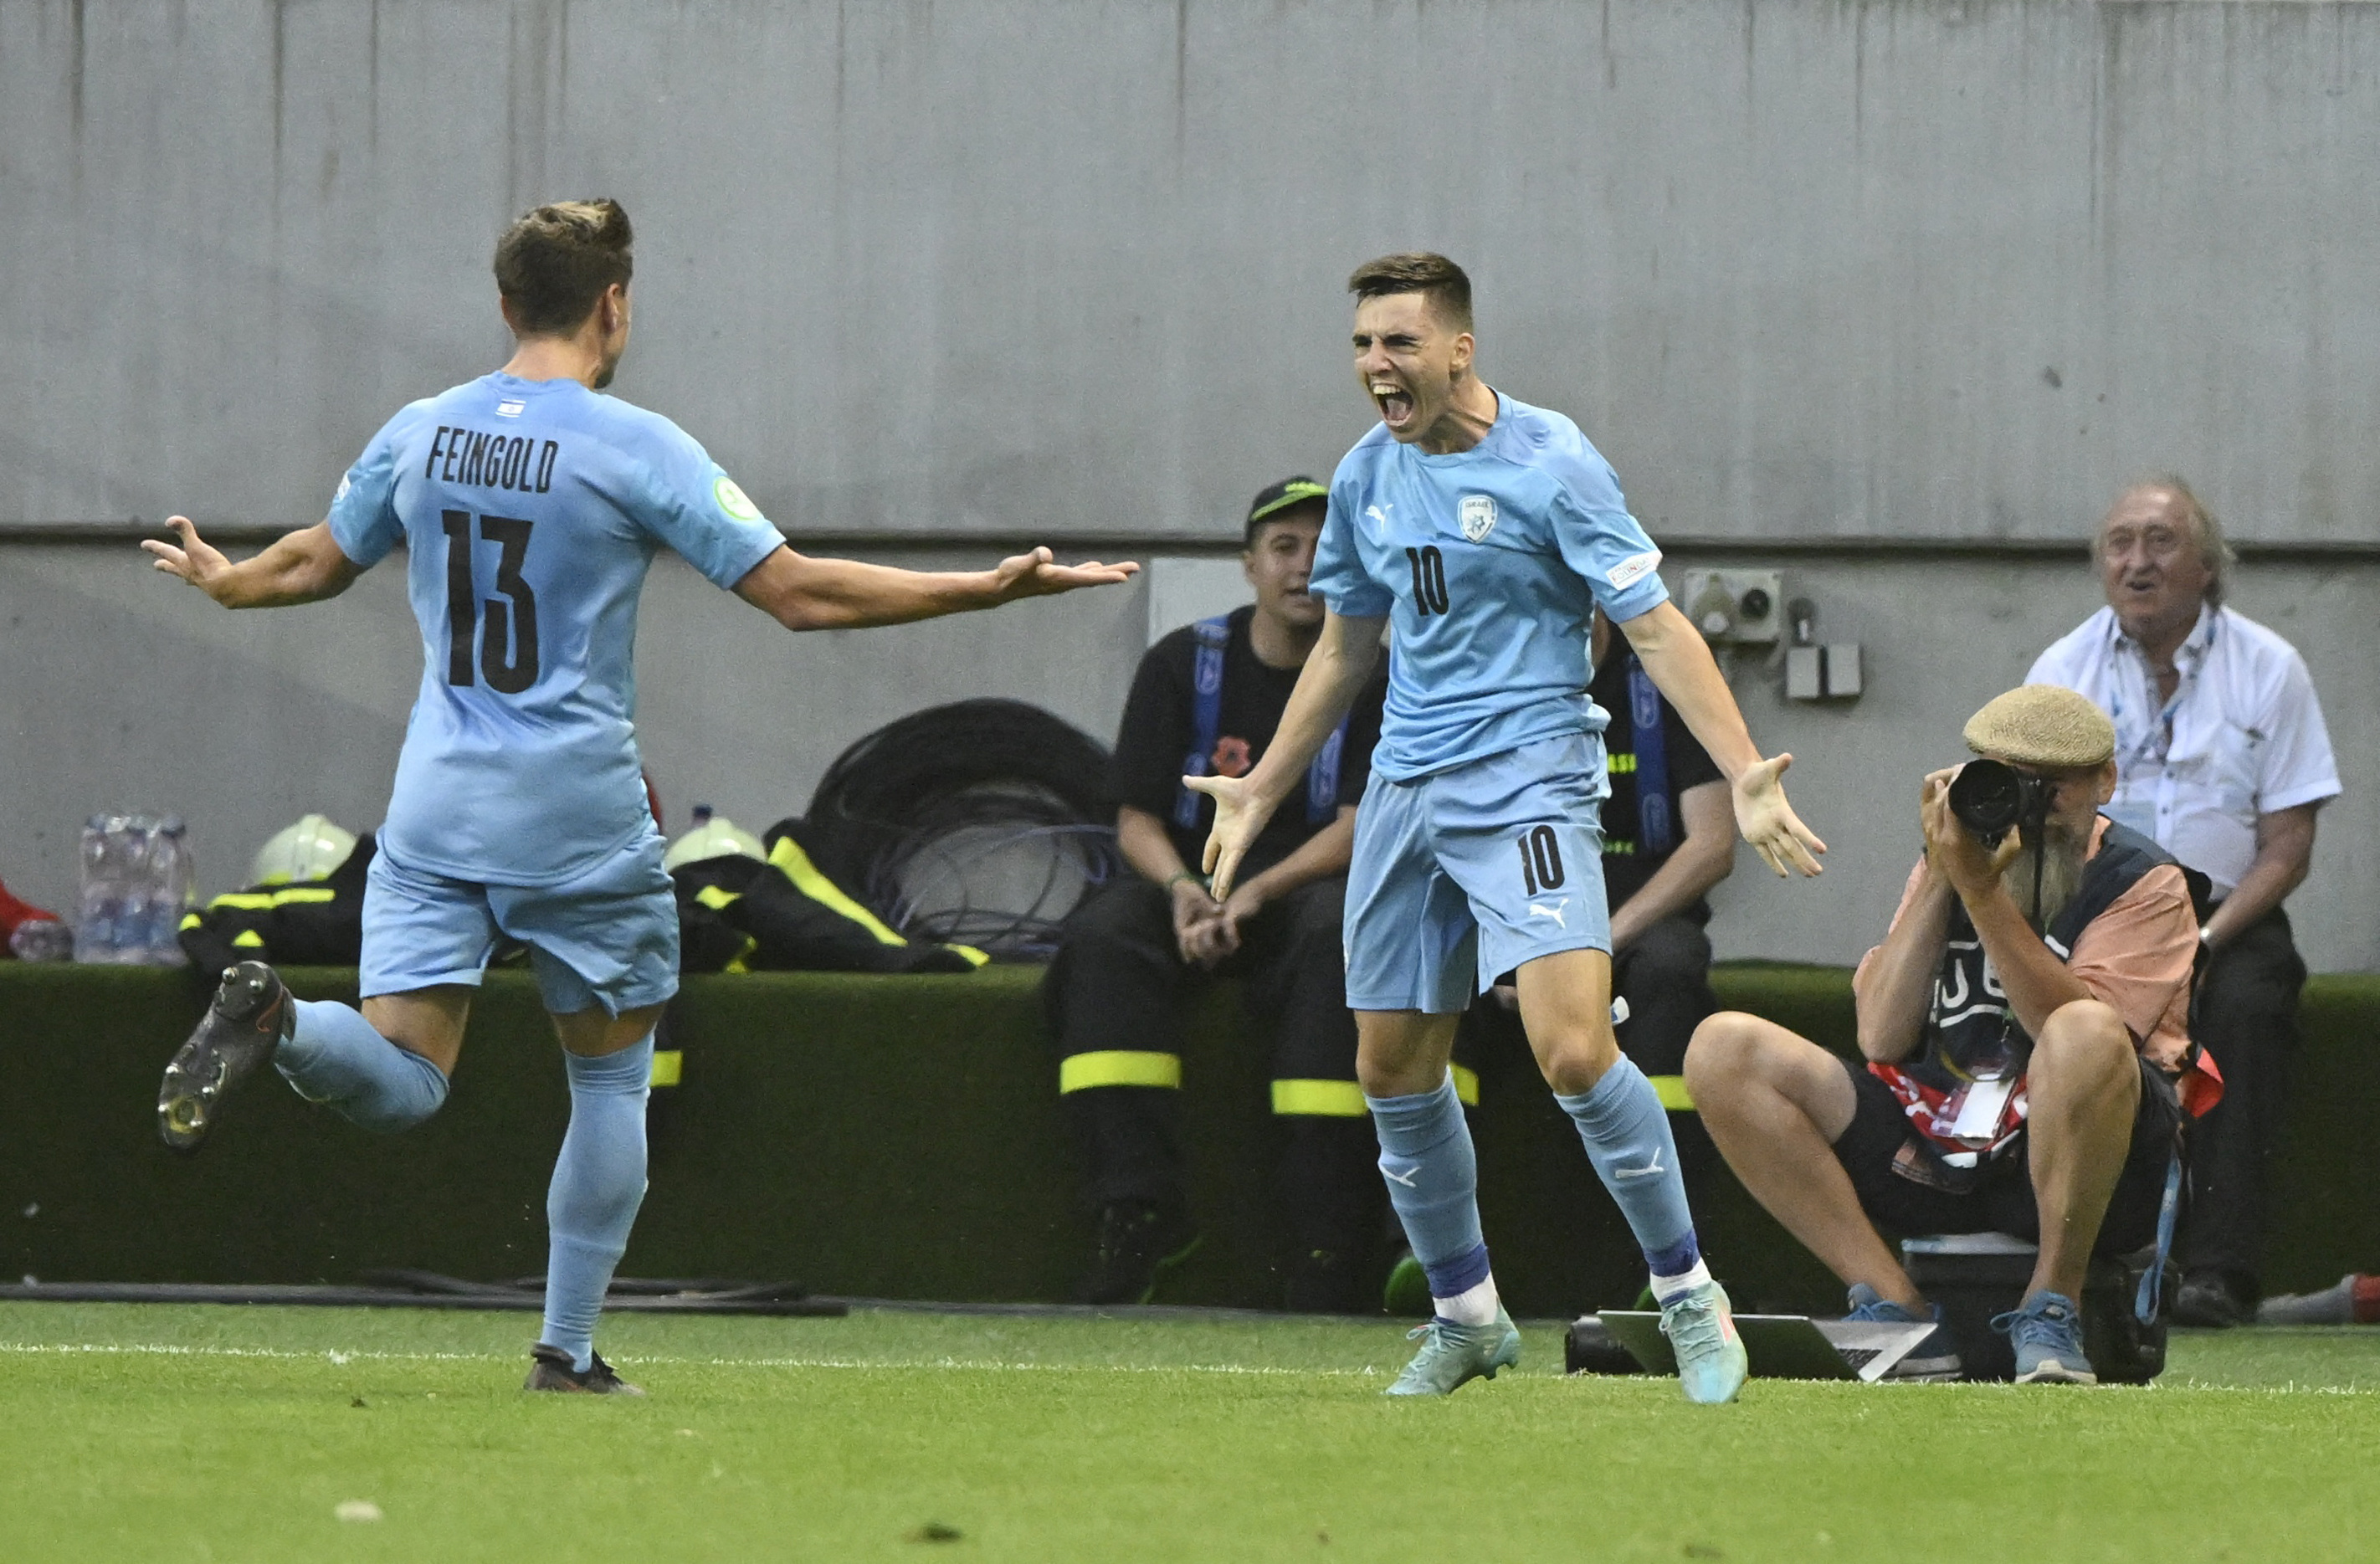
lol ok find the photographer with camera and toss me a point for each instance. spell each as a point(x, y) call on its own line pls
point(2027, 1061)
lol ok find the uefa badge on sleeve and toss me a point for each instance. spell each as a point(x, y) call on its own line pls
point(1478, 515)
point(732, 500)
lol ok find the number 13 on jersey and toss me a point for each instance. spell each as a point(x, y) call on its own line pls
point(508, 647)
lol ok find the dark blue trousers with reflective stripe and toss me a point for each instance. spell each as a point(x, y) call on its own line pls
point(1115, 994)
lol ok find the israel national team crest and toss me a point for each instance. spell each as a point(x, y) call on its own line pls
point(1478, 515)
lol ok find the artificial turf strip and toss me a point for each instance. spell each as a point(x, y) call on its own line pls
point(136, 1432)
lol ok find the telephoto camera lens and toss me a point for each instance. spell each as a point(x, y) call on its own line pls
point(1988, 796)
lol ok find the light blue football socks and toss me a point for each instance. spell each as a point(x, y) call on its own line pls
point(334, 1057)
point(1628, 1139)
point(598, 1182)
point(1433, 1176)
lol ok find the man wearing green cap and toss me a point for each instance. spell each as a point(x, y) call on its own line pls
point(2027, 1058)
point(1205, 701)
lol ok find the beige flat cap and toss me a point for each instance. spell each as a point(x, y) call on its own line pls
point(2043, 725)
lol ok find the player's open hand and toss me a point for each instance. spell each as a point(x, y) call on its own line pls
point(1240, 816)
point(1769, 823)
point(1038, 575)
point(197, 561)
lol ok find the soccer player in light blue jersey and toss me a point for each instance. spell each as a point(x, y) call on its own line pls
point(531, 507)
point(1486, 532)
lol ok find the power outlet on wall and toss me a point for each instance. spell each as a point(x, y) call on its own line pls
point(1735, 607)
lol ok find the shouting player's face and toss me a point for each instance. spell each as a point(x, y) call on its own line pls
point(1411, 363)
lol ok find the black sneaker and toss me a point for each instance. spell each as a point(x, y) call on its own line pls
point(550, 1370)
point(2213, 1300)
point(1137, 1244)
point(250, 1015)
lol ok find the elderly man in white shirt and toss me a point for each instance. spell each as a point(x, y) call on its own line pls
point(2224, 759)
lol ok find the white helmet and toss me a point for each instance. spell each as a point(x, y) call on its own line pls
point(711, 836)
point(308, 850)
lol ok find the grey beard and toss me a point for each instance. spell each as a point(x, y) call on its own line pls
point(2061, 875)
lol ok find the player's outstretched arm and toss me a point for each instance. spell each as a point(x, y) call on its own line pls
point(802, 593)
point(1327, 686)
point(299, 567)
point(1683, 668)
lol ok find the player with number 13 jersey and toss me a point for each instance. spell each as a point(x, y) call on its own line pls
point(531, 507)
point(530, 511)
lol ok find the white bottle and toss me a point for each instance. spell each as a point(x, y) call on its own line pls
point(167, 891)
point(100, 862)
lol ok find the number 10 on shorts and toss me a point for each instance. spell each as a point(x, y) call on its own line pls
point(1541, 865)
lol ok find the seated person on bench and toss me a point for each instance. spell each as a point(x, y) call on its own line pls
point(1205, 701)
point(2027, 1057)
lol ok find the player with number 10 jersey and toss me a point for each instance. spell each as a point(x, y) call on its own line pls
point(1483, 533)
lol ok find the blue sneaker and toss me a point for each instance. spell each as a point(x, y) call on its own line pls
point(1701, 1328)
point(1937, 1357)
point(2047, 1332)
point(1452, 1355)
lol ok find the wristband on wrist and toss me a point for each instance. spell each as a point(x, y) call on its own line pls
point(1181, 874)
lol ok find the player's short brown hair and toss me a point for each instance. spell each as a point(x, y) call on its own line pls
point(555, 261)
point(1433, 277)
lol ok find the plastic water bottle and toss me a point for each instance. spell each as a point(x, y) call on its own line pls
point(135, 882)
point(131, 852)
point(43, 938)
point(165, 892)
point(104, 888)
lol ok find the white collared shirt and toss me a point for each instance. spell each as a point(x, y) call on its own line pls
point(2242, 736)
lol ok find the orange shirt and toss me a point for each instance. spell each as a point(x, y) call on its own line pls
point(2136, 958)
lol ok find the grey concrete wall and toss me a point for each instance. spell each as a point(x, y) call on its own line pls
point(1923, 269)
point(141, 693)
point(1800, 268)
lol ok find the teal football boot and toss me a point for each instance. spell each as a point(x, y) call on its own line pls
point(1452, 1355)
point(1701, 1328)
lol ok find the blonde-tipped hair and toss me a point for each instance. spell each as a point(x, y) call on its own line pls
point(555, 261)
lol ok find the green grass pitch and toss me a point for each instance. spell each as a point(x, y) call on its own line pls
point(135, 1432)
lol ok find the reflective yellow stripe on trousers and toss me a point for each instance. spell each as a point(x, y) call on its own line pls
point(1118, 1067)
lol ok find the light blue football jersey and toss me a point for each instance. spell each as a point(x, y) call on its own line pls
point(1489, 564)
point(530, 511)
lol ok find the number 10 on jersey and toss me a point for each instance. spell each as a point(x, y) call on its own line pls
point(508, 648)
point(1429, 578)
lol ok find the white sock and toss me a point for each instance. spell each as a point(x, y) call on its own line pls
point(1665, 1288)
point(1472, 1305)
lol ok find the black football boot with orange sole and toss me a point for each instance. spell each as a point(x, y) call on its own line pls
point(250, 1015)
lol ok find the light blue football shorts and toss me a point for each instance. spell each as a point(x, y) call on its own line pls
point(1462, 874)
point(607, 938)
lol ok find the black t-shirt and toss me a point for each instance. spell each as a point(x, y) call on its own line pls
point(1158, 728)
point(1626, 868)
